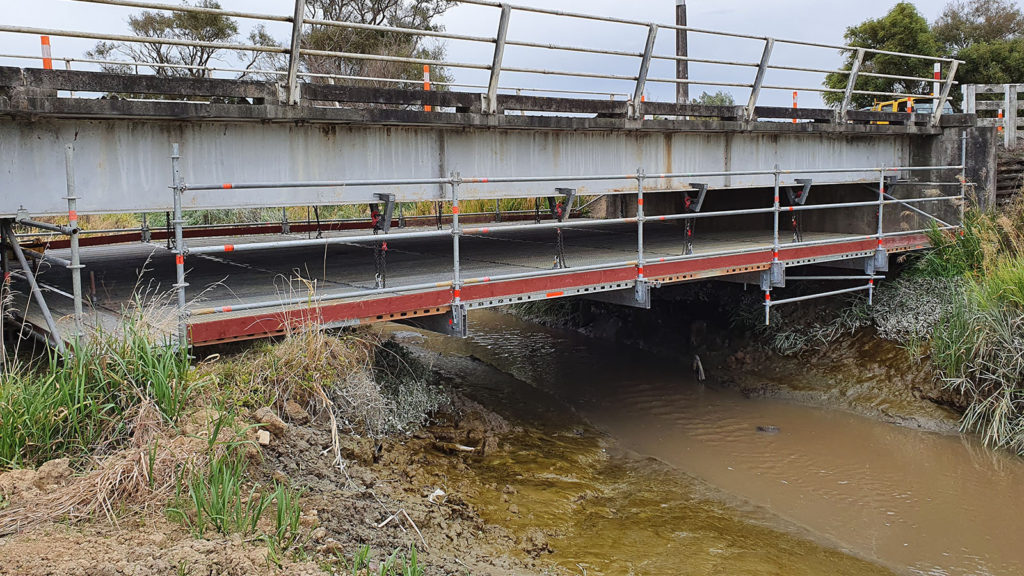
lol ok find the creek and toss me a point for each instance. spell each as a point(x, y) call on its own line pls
point(706, 491)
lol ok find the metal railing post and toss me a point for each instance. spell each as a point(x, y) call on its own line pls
point(294, 54)
point(851, 84)
point(491, 102)
point(963, 178)
point(640, 217)
point(1010, 120)
point(762, 69)
point(940, 104)
point(179, 246)
point(881, 210)
point(456, 233)
point(641, 80)
point(76, 257)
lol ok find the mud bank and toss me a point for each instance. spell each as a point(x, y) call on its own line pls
point(854, 370)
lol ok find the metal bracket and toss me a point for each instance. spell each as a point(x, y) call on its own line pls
point(383, 223)
point(690, 205)
point(570, 197)
point(455, 323)
point(881, 260)
point(800, 198)
point(702, 191)
point(637, 297)
point(774, 277)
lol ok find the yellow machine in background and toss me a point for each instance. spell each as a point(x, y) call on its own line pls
point(901, 105)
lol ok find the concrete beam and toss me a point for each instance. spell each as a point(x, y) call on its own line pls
point(123, 166)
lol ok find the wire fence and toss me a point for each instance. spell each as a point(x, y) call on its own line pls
point(502, 59)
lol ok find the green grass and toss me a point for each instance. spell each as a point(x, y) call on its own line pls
point(399, 563)
point(215, 496)
point(287, 534)
point(977, 345)
point(69, 406)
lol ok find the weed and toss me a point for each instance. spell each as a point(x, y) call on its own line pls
point(399, 563)
point(215, 497)
point(287, 523)
point(71, 405)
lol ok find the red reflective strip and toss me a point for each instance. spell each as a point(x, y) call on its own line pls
point(776, 199)
point(555, 294)
point(457, 294)
point(640, 270)
point(455, 210)
point(871, 282)
point(72, 215)
point(179, 259)
point(640, 201)
point(483, 180)
point(485, 230)
point(487, 279)
point(229, 247)
point(767, 296)
point(775, 255)
point(227, 186)
point(879, 241)
point(790, 208)
point(662, 218)
point(226, 309)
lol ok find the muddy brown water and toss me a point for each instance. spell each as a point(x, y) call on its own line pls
point(910, 501)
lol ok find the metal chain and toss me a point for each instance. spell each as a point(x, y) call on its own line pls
point(559, 250)
point(380, 257)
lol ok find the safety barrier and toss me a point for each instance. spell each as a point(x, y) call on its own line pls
point(632, 86)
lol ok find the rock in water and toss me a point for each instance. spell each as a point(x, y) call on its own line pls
point(768, 429)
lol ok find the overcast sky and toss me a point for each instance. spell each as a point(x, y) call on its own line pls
point(807, 20)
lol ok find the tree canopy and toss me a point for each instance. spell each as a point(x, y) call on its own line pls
point(904, 30)
point(988, 35)
point(411, 14)
point(178, 26)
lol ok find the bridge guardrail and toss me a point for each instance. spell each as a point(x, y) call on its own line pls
point(631, 87)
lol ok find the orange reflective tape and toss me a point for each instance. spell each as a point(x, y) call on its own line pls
point(455, 210)
point(554, 294)
point(767, 296)
point(45, 40)
point(640, 201)
point(226, 309)
point(227, 186)
point(457, 293)
point(72, 215)
point(179, 259)
point(229, 248)
point(485, 230)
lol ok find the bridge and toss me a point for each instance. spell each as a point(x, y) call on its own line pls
point(592, 196)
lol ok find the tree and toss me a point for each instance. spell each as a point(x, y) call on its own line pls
point(904, 30)
point(720, 98)
point(988, 35)
point(412, 14)
point(966, 23)
point(188, 26)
